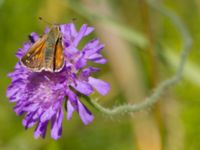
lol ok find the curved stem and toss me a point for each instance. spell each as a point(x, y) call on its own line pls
point(163, 86)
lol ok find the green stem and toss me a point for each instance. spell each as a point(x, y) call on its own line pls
point(163, 86)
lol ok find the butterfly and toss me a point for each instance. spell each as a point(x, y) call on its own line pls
point(46, 54)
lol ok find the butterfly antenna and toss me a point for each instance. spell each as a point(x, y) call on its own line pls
point(74, 20)
point(41, 19)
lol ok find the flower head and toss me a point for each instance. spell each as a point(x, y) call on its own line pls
point(43, 96)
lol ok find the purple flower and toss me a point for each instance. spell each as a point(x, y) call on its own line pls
point(41, 96)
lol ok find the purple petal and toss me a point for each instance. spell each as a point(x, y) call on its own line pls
point(47, 115)
point(12, 90)
point(73, 99)
point(83, 87)
point(97, 58)
point(21, 52)
point(73, 29)
point(41, 129)
point(84, 31)
point(80, 35)
point(47, 29)
point(85, 115)
point(68, 34)
point(33, 37)
point(56, 128)
point(101, 86)
point(28, 120)
point(91, 44)
point(68, 30)
point(88, 31)
point(82, 62)
point(92, 47)
point(31, 107)
point(87, 72)
point(70, 51)
point(70, 109)
point(18, 110)
point(31, 118)
point(16, 95)
point(64, 28)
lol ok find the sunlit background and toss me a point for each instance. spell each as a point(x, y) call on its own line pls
point(142, 47)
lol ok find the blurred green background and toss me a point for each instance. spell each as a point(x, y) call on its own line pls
point(142, 48)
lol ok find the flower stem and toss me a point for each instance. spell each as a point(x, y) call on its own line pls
point(163, 86)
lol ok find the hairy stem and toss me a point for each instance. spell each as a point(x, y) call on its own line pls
point(163, 86)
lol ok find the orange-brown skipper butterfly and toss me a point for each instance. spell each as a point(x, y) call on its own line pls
point(46, 53)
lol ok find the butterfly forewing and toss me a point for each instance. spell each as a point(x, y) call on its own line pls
point(34, 58)
point(58, 56)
